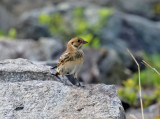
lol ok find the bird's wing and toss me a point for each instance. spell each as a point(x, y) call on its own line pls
point(65, 57)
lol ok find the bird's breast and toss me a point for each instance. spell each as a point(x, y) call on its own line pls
point(71, 67)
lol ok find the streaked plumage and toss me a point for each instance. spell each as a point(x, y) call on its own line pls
point(71, 60)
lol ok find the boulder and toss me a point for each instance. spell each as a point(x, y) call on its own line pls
point(104, 66)
point(146, 8)
point(54, 100)
point(26, 5)
point(42, 50)
point(28, 30)
point(30, 27)
point(20, 70)
point(131, 31)
point(90, 72)
point(29, 91)
point(18, 6)
point(7, 19)
point(136, 33)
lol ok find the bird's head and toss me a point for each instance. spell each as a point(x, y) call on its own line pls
point(76, 43)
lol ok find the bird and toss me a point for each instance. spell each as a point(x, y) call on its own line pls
point(71, 60)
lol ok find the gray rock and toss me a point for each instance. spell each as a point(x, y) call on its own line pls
point(27, 5)
point(131, 31)
point(19, 70)
point(18, 6)
point(140, 7)
point(31, 31)
point(27, 92)
point(104, 66)
point(113, 70)
point(53, 100)
point(90, 72)
point(7, 19)
point(29, 21)
point(124, 31)
point(42, 50)
point(150, 112)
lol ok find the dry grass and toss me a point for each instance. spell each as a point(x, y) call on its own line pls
point(140, 90)
point(148, 65)
point(158, 73)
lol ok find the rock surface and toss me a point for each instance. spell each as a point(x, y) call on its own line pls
point(127, 31)
point(140, 7)
point(20, 70)
point(53, 100)
point(124, 31)
point(7, 19)
point(30, 26)
point(149, 112)
point(27, 92)
point(104, 66)
point(27, 5)
point(42, 50)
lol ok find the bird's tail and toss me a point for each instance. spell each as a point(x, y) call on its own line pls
point(54, 67)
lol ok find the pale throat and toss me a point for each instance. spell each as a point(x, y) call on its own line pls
point(77, 48)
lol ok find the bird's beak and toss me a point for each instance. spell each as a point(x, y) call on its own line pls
point(84, 42)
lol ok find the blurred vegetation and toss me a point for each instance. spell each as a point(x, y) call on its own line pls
point(12, 33)
point(156, 8)
point(79, 25)
point(128, 92)
point(148, 77)
point(2, 33)
point(149, 81)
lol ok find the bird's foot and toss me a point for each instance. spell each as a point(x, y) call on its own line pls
point(78, 84)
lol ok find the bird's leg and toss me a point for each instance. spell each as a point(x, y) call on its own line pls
point(76, 77)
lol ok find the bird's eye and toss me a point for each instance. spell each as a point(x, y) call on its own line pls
point(79, 41)
point(72, 43)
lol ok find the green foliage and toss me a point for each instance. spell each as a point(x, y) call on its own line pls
point(55, 23)
point(44, 18)
point(79, 25)
point(12, 33)
point(2, 33)
point(150, 99)
point(129, 92)
point(148, 77)
point(149, 80)
point(156, 8)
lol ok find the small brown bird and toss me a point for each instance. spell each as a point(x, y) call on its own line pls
point(71, 60)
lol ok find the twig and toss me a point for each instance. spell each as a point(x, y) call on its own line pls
point(148, 65)
point(140, 91)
